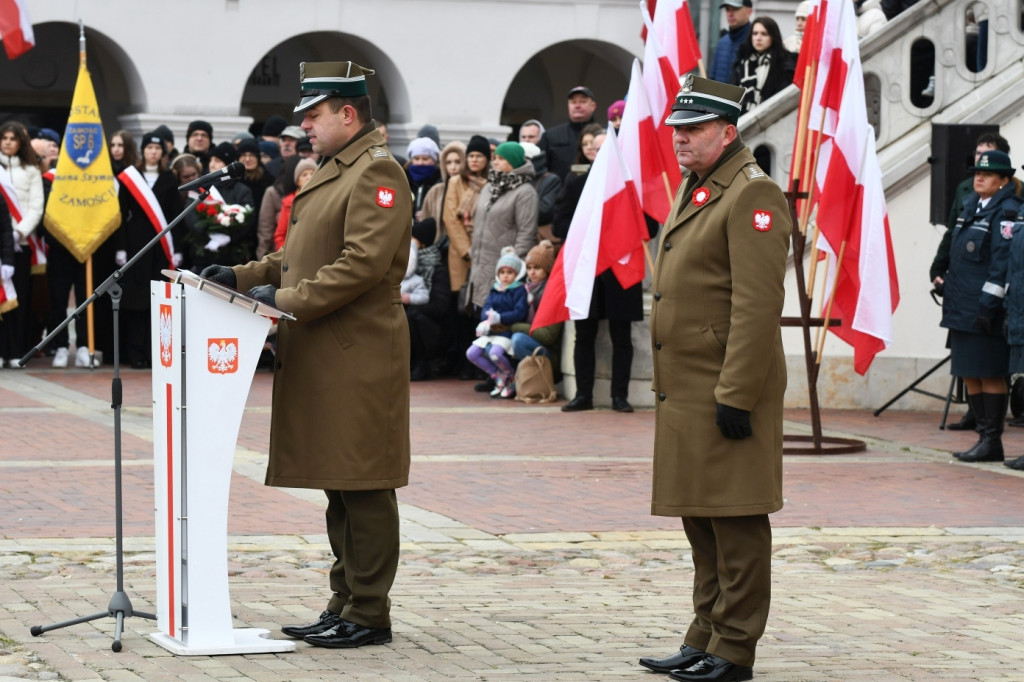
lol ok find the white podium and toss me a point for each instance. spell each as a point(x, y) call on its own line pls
point(207, 339)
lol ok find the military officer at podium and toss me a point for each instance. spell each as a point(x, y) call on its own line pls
point(341, 379)
point(719, 379)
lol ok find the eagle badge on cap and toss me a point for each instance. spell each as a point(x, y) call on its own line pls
point(688, 83)
point(762, 221)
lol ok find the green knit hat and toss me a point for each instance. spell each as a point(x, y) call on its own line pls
point(512, 152)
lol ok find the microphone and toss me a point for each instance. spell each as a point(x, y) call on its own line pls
point(232, 170)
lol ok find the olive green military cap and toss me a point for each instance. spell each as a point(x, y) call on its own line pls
point(700, 100)
point(320, 80)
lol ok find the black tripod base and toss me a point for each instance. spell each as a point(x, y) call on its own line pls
point(120, 608)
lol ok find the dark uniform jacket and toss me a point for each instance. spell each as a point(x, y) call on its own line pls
point(976, 280)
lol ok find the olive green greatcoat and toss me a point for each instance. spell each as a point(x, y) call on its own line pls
point(718, 294)
point(341, 382)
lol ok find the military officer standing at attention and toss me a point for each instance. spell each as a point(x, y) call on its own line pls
point(719, 379)
point(341, 380)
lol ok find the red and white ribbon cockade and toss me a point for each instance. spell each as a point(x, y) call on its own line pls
point(137, 185)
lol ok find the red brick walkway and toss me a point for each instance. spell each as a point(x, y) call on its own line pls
point(498, 466)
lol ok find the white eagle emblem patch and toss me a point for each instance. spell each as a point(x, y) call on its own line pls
point(1006, 229)
point(222, 356)
point(385, 197)
point(166, 336)
point(762, 220)
point(701, 196)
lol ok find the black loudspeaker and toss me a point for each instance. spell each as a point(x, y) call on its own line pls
point(952, 154)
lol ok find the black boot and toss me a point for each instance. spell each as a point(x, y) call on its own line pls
point(966, 422)
point(990, 447)
point(977, 406)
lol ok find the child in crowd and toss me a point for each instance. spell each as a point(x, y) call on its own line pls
point(539, 262)
point(506, 304)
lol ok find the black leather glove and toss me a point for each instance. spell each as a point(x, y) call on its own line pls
point(221, 274)
point(984, 324)
point(264, 293)
point(733, 422)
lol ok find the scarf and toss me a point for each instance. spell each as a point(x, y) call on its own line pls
point(502, 183)
point(534, 291)
point(428, 259)
point(755, 73)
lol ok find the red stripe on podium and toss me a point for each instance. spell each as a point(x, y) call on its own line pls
point(170, 508)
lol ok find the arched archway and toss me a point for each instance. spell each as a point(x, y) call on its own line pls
point(540, 87)
point(273, 85)
point(37, 87)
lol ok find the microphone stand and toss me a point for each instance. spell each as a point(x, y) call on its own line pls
point(120, 606)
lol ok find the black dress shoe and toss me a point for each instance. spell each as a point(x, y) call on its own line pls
point(326, 622)
point(684, 658)
point(712, 667)
point(621, 404)
point(348, 635)
point(578, 404)
point(485, 386)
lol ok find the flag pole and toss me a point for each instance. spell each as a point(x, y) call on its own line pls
point(831, 299)
point(89, 319)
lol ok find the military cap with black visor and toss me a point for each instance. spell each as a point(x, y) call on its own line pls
point(701, 99)
point(321, 80)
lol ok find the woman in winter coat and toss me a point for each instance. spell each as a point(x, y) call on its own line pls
point(19, 160)
point(135, 232)
point(763, 65)
point(257, 179)
point(972, 302)
point(506, 214)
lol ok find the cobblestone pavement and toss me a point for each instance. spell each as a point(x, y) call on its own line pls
point(531, 556)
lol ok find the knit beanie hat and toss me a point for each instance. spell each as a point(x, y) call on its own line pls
point(161, 130)
point(431, 132)
point(225, 151)
point(479, 143)
point(305, 164)
point(542, 255)
point(423, 146)
point(269, 148)
point(152, 138)
point(250, 146)
point(243, 135)
point(509, 259)
point(274, 125)
point(512, 152)
point(425, 231)
point(199, 125)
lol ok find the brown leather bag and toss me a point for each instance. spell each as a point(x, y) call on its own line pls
point(535, 380)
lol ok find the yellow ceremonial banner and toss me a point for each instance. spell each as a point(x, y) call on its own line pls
point(82, 210)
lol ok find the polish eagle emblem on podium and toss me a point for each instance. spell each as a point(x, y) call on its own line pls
point(166, 336)
point(222, 356)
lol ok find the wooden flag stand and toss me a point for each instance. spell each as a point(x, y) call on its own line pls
point(816, 443)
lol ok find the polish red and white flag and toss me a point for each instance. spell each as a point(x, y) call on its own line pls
point(608, 230)
point(852, 213)
point(651, 161)
point(16, 28)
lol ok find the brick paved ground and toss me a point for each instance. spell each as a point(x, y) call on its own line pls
point(531, 554)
